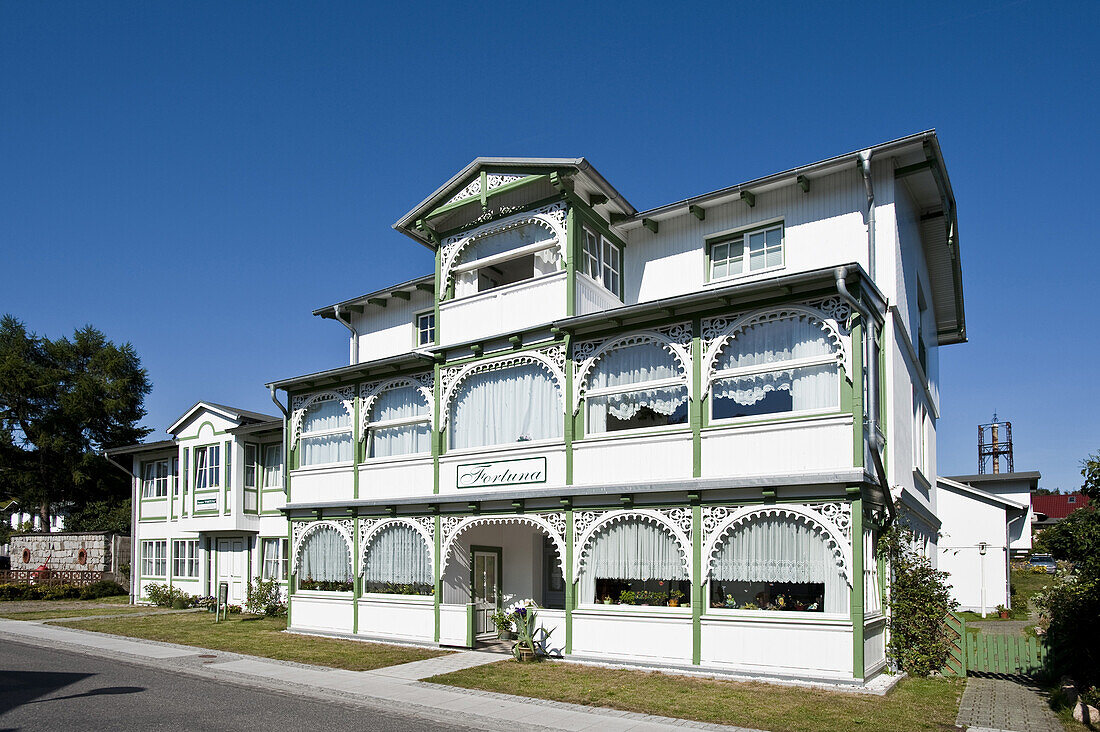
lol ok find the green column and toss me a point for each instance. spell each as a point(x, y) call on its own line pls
point(572, 235)
point(856, 501)
point(438, 583)
point(570, 588)
point(568, 416)
point(355, 447)
point(356, 587)
point(698, 581)
point(857, 395)
point(290, 570)
point(437, 435)
point(696, 408)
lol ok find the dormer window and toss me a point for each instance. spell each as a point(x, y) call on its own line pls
point(425, 328)
point(746, 252)
point(603, 261)
point(506, 257)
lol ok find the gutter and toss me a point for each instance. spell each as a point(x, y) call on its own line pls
point(134, 498)
point(286, 441)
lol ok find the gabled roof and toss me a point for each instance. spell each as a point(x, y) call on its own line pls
point(1057, 506)
point(978, 493)
point(241, 416)
point(142, 447)
point(586, 179)
point(992, 479)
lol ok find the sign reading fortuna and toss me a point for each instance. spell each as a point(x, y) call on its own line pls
point(502, 472)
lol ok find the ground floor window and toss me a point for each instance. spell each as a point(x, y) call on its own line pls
point(325, 561)
point(274, 553)
point(154, 558)
point(398, 562)
point(663, 593)
point(801, 596)
point(635, 562)
point(185, 558)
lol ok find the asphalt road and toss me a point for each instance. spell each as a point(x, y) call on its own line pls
point(49, 689)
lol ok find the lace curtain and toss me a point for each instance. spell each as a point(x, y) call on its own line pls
point(629, 366)
point(631, 550)
point(399, 555)
point(520, 237)
point(405, 402)
point(326, 448)
point(325, 557)
point(781, 549)
point(273, 466)
point(515, 404)
point(777, 342)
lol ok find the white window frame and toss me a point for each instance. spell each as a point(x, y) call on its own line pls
point(763, 369)
point(207, 471)
point(507, 256)
point(185, 558)
point(156, 486)
point(251, 465)
point(350, 430)
point(279, 561)
point(636, 386)
point(154, 557)
point(742, 237)
point(401, 422)
point(424, 335)
point(603, 265)
point(920, 434)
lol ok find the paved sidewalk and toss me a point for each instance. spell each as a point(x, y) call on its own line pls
point(378, 689)
point(1012, 703)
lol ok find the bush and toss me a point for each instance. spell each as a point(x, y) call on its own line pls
point(1064, 611)
point(920, 599)
point(109, 515)
point(162, 595)
point(21, 591)
point(265, 598)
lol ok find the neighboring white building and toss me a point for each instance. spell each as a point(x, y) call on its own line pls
point(974, 543)
point(1016, 488)
point(207, 502)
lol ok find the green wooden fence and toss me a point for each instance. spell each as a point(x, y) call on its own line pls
point(955, 628)
point(990, 653)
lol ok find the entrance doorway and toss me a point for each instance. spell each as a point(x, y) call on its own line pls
point(485, 584)
point(230, 561)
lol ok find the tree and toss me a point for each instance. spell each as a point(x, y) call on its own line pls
point(1090, 471)
point(1076, 538)
point(62, 402)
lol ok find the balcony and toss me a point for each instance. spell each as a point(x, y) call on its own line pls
point(503, 310)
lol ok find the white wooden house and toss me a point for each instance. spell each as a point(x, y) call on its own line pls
point(677, 430)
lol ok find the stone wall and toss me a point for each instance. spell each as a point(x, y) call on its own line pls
point(66, 551)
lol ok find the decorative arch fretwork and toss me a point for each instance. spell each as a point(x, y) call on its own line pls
point(344, 394)
point(300, 531)
point(830, 314)
point(551, 523)
point(369, 529)
point(676, 339)
point(551, 359)
point(833, 521)
point(492, 180)
point(369, 393)
point(550, 217)
point(675, 521)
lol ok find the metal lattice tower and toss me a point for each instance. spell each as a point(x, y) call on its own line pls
point(999, 445)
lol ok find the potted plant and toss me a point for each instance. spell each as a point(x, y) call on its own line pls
point(627, 598)
point(528, 647)
point(1002, 612)
point(503, 625)
point(607, 599)
point(674, 597)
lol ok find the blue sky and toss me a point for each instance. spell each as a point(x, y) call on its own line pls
point(196, 178)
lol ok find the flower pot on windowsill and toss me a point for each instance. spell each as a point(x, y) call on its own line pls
point(674, 602)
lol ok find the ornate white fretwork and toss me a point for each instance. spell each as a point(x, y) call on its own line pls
point(369, 393)
point(671, 520)
point(492, 180)
point(552, 524)
point(839, 513)
point(473, 188)
point(718, 332)
point(676, 339)
point(344, 394)
point(300, 531)
point(551, 217)
point(550, 358)
point(369, 529)
point(725, 520)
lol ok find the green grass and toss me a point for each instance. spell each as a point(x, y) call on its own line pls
point(257, 636)
point(1024, 584)
point(62, 612)
point(915, 704)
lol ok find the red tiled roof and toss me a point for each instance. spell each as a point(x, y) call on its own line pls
point(1058, 505)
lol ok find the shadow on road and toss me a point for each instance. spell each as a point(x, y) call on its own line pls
point(22, 687)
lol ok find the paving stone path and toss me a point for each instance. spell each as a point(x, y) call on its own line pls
point(1011, 703)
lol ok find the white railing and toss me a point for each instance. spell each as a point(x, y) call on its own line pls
point(503, 310)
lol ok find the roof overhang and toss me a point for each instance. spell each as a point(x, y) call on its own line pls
point(970, 490)
point(275, 425)
point(1031, 476)
point(583, 179)
point(142, 447)
point(402, 291)
point(339, 375)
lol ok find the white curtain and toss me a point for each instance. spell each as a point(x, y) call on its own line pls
point(629, 366)
point(399, 555)
point(811, 387)
point(466, 283)
point(774, 341)
point(326, 448)
point(405, 402)
point(273, 466)
point(510, 405)
point(325, 557)
point(781, 549)
point(631, 550)
point(505, 241)
point(546, 261)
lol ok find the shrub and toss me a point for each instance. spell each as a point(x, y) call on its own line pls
point(1065, 607)
point(162, 595)
point(265, 598)
point(21, 591)
point(103, 588)
point(920, 599)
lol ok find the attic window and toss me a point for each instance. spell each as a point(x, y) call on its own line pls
point(514, 255)
point(1072, 499)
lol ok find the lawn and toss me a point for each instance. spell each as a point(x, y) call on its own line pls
point(1023, 583)
point(915, 704)
point(257, 636)
point(74, 612)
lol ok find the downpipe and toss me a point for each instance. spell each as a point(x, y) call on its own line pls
point(286, 441)
point(869, 187)
point(354, 358)
point(135, 496)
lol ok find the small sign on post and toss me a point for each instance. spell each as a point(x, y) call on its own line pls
point(223, 601)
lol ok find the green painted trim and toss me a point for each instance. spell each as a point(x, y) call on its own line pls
point(356, 579)
point(695, 417)
point(700, 581)
point(438, 444)
point(857, 394)
point(471, 632)
point(567, 434)
point(484, 196)
point(570, 581)
point(436, 290)
point(438, 584)
point(197, 437)
point(359, 446)
point(571, 236)
point(291, 574)
point(227, 485)
point(857, 600)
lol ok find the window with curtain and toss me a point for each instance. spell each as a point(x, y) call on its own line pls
point(513, 404)
point(273, 466)
point(274, 559)
point(520, 253)
point(154, 558)
point(400, 424)
point(397, 562)
point(634, 387)
point(635, 562)
point(207, 467)
point(778, 563)
point(324, 562)
point(326, 434)
point(185, 558)
point(251, 458)
point(786, 365)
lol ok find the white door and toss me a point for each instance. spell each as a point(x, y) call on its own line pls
point(486, 592)
point(231, 561)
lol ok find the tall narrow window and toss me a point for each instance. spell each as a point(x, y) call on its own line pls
point(324, 562)
point(400, 423)
point(514, 404)
point(207, 467)
point(251, 457)
point(425, 329)
point(326, 434)
point(175, 475)
point(274, 552)
point(185, 558)
point(747, 252)
point(920, 445)
point(786, 365)
point(603, 261)
point(273, 466)
point(155, 478)
point(636, 386)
